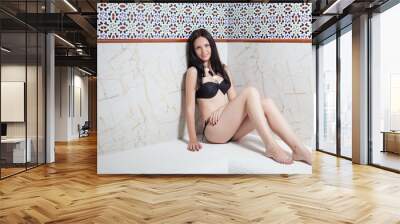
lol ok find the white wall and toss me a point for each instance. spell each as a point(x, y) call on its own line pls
point(12, 73)
point(68, 81)
point(79, 117)
point(140, 88)
point(61, 103)
point(15, 72)
point(283, 72)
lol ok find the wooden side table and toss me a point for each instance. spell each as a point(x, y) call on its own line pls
point(391, 141)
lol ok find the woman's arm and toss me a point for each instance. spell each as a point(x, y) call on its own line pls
point(231, 91)
point(190, 99)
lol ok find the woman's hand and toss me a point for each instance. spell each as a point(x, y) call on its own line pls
point(214, 118)
point(194, 146)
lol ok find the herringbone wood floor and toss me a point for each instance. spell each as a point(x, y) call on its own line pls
point(70, 191)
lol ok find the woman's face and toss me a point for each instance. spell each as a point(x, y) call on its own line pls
point(202, 48)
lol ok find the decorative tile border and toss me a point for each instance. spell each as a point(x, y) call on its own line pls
point(151, 22)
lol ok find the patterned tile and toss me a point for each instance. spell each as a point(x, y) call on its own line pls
point(225, 21)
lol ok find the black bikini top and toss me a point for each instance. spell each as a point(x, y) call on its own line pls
point(210, 89)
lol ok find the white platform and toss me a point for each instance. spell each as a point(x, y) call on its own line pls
point(172, 157)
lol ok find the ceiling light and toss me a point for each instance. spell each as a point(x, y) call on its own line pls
point(5, 50)
point(84, 71)
point(70, 5)
point(65, 41)
point(338, 6)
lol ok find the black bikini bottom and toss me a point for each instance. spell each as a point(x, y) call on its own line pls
point(205, 125)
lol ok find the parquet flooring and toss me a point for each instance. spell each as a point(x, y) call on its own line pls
point(70, 191)
point(10, 171)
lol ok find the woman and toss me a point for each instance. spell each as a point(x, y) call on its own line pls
point(229, 116)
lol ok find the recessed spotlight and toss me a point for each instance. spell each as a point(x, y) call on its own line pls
point(337, 7)
point(84, 71)
point(70, 5)
point(64, 40)
point(5, 50)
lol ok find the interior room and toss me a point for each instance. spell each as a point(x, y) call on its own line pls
point(95, 127)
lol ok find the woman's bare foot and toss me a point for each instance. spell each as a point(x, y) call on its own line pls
point(278, 154)
point(302, 154)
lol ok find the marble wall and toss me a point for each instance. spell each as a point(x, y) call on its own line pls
point(140, 88)
point(140, 93)
point(282, 71)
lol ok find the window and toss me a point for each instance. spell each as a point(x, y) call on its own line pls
point(327, 95)
point(346, 75)
point(385, 89)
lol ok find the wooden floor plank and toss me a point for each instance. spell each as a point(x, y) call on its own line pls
point(70, 191)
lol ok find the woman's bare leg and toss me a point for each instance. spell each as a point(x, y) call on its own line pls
point(279, 125)
point(247, 104)
point(283, 130)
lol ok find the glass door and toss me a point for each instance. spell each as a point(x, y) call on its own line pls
point(22, 78)
point(13, 103)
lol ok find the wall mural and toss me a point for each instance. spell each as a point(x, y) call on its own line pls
point(142, 64)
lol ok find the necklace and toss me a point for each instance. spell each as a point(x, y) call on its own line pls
point(214, 77)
